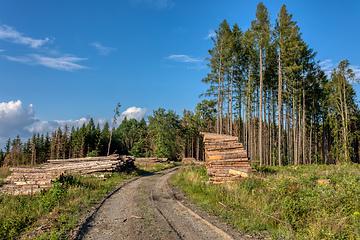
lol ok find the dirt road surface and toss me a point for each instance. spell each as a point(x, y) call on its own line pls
point(149, 208)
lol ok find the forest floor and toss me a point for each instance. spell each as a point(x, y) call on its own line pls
point(148, 207)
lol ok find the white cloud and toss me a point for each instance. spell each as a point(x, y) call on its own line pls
point(14, 118)
point(327, 66)
point(195, 63)
point(211, 34)
point(356, 70)
point(65, 62)
point(183, 58)
point(133, 112)
point(102, 50)
point(51, 126)
point(161, 4)
point(10, 34)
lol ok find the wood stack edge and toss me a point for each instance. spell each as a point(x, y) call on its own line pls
point(24, 181)
point(224, 155)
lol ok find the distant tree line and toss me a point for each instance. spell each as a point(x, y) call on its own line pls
point(272, 93)
point(165, 135)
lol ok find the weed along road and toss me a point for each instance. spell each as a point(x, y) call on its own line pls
point(148, 208)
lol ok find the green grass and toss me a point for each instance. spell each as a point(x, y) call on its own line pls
point(291, 204)
point(53, 213)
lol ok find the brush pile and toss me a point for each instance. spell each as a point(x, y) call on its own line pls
point(223, 154)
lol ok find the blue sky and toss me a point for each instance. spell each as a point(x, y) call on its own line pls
point(62, 62)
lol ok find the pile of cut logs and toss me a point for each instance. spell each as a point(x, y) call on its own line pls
point(193, 160)
point(226, 158)
point(151, 161)
point(112, 163)
point(31, 180)
point(23, 181)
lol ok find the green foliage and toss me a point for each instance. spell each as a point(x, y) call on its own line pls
point(164, 133)
point(93, 153)
point(291, 202)
point(342, 111)
point(131, 137)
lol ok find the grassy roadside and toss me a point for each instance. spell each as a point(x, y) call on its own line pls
point(51, 214)
point(286, 202)
point(4, 172)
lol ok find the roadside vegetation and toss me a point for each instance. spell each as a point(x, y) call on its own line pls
point(283, 202)
point(53, 213)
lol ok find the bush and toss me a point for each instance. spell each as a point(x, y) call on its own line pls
point(93, 153)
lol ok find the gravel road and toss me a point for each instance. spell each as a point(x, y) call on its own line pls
point(149, 208)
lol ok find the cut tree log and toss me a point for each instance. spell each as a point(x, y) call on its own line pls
point(238, 173)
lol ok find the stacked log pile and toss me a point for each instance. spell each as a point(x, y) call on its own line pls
point(193, 160)
point(29, 180)
point(188, 160)
point(151, 161)
point(224, 153)
point(112, 163)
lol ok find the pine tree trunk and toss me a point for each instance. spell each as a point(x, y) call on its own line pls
point(303, 124)
point(221, 104)
point(218, 104)
point(289, 138)
point(231, 101)
point(324, 141)
point(250, 137)
point(260, 107)
point(310, 143)
point(228, 110)
point(192, 147)
point(294, 131)
point(279, 107)
point(345, 126)
point(197, 147)
point(270, 136)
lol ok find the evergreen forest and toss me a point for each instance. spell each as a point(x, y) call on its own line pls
point(270, 91)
